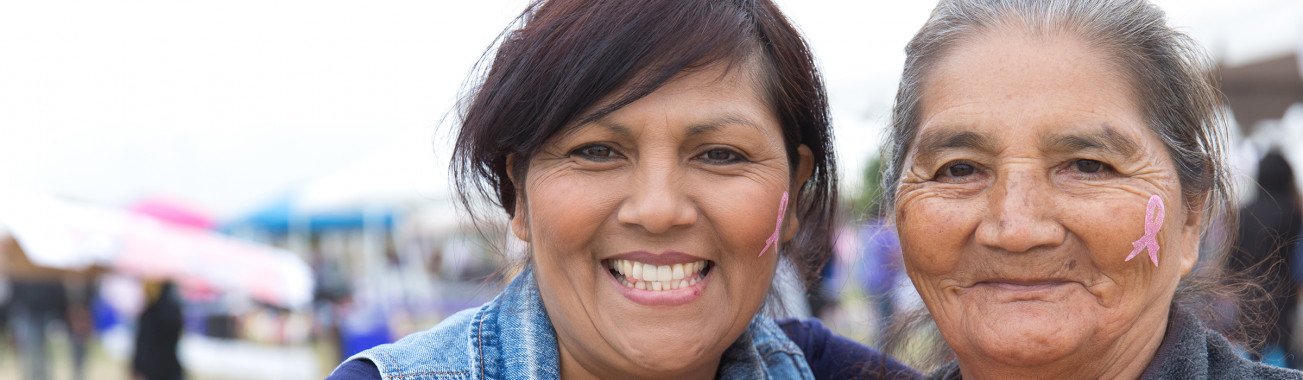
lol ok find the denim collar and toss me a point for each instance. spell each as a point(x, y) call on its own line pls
point(511, 337)
point(515, 329)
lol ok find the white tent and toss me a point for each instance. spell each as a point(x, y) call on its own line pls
point(78, 238)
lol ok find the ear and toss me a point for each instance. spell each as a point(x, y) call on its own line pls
point(804, 168)
point(519, 216)
point(1191, 233)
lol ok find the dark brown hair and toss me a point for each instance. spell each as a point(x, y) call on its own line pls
point(561, 57)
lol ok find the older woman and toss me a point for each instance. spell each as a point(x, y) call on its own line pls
point(658, 158)
point(1056, 163)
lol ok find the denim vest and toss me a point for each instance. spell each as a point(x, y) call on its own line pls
point(512, 338)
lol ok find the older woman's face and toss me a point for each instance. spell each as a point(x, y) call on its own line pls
point(646, 224)
point(1020, 198)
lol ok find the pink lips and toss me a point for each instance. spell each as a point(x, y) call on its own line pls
point(673, 297)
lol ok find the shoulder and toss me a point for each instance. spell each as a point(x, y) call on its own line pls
point(1225, 362)
point(1192, 351)
point(832, 356)
point(445, 351)
point(356, 370)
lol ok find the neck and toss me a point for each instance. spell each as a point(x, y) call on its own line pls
point(1126, 359)
point(574, 368)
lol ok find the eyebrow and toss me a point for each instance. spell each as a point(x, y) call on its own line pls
point(716, 123)
point(932, 143)
point(1106, 139)
point(618, 129)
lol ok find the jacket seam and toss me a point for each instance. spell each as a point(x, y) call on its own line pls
point(394, 365)
point(479, 336)
point(429, 373)
point(779, 347)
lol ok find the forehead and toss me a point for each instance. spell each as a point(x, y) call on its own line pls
point(1013, 80)
point(732, 80)
point(721, 92)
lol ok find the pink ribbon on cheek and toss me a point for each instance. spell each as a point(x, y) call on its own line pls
point(778, 226)
point(1153, 222)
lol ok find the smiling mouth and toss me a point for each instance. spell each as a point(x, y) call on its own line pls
point(1025, 290)
point(642, 276)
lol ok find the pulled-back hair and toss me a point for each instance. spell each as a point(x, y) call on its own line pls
point(1170, 76)
point(561, 59)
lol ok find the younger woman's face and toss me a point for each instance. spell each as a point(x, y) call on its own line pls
point(646, 226)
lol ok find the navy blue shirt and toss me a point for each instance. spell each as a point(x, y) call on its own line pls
point(832, 356)
point(356, 370)
point(829, 355)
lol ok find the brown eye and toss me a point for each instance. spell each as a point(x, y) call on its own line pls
point(721, 156)
point(596, 151)
point(1089, 166)
point(960, 170)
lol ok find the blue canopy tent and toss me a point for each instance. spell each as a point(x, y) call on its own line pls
point(281, 216)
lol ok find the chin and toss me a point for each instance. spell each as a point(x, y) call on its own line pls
point(1023, 342)
point(669, 354)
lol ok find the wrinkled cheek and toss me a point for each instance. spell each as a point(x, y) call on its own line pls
point(1110, 229)
point(932, 235)
point(926, 268)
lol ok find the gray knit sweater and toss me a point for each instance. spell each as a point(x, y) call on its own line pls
point(1189, 351)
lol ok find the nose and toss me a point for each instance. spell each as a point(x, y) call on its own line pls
point(657, 201)
point(1020, 214)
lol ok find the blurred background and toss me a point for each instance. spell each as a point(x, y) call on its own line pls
point(270, 177)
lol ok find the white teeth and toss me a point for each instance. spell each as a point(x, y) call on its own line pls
point(664, 273)
point(657, 277)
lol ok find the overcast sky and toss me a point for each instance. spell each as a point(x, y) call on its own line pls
point(227, 105)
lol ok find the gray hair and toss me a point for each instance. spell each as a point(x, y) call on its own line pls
point(1170, 75)
point(1169, 72)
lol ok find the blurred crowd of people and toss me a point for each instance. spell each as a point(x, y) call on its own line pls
point(35, 313)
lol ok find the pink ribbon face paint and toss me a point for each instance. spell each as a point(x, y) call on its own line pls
point(1153, 222)
point(778, 226)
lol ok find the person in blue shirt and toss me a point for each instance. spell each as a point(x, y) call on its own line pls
point(659, 158)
